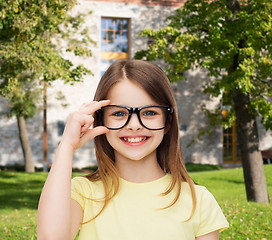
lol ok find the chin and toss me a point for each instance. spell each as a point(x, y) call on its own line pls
point(136, 157)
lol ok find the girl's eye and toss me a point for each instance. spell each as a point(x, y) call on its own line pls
point(149, 113)
point(119, 114)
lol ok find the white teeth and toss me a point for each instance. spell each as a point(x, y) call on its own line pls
point(134, 140)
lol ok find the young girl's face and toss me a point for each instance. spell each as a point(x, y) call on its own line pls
point(133, 141)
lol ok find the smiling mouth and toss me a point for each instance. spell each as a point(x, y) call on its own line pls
point(134, 140)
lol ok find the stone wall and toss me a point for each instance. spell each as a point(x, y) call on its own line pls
point(190, 97)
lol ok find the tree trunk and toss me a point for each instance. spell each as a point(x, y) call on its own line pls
point(29, 166)
point(256, 188)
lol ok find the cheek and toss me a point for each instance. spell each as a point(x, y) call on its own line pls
point(108, 137)
point(159, 137)
point(112, 138)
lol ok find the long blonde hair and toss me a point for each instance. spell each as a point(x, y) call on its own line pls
point(154, 81)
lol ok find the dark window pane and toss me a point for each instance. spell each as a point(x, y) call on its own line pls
point(110, 24)
point(103, 35)
point(125, 24)
point(110, 36)
point(124, 36)
point(117, 24)
point(124, 47)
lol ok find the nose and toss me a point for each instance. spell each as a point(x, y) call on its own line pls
point(134, 123)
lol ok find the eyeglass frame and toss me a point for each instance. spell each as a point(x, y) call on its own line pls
point(136, 110)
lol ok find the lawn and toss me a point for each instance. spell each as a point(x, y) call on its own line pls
point(247, 220)
point(19, 195)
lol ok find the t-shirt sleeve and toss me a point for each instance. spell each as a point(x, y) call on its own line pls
point(211, 215)
point(77, 190)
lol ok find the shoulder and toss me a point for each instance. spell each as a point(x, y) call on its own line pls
point(82, 189)
point(80, 185)
point(80, 180)
point(204, 198)
point(84, 186)
point(208, 215)
point(84, 181)
point(200, 191)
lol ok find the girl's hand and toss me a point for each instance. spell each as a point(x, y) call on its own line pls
point(77, 133)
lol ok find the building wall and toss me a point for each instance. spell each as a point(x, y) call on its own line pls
point(142, 14)
point(190, 98)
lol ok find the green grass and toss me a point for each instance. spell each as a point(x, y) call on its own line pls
point(247, 220)
point(19, 195)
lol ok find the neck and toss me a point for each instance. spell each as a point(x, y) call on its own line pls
point(139, 171)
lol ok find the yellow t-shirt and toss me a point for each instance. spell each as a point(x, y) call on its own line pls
point(135, 212)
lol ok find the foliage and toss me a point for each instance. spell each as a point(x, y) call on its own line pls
point(207, 34)
point(197, 167)
point(19, 195)
point(33, 36)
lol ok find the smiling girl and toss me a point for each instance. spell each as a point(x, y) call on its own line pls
point(141, 189)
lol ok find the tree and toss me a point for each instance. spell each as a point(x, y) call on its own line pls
point(33, 37)
point(232, 39)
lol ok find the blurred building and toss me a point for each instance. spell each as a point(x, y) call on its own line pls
point(115, 25)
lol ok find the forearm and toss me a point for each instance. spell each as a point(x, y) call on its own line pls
point(210, 236)
point(54, 211)
point(55, 208)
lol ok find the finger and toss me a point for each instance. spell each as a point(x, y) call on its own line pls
point(98, 131)
point(90, 108)
point(88, 121)
point(105, 102)
point(92, 133)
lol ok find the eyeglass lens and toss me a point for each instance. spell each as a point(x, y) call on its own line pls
point(152, 117)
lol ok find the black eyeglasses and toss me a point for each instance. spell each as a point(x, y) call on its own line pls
point(115, 117)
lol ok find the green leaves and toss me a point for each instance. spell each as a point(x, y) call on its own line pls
point(32, 33)
point(235, 46)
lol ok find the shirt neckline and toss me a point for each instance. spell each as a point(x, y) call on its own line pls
point(145, 183)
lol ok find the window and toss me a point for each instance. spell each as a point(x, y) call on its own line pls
point(230, 145)
point(114, 41)
point(231, 153)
